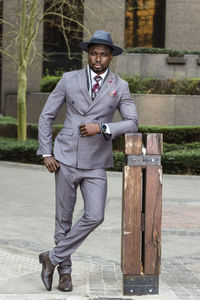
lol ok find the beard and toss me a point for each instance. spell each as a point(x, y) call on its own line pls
point(99, 70)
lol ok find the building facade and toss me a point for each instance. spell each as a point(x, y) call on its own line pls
point(132, 23)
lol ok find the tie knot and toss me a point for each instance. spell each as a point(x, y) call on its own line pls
point(97, 78)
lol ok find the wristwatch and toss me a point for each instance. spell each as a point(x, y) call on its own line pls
point(103, 128)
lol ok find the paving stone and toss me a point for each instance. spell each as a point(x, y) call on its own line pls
point(96, 267)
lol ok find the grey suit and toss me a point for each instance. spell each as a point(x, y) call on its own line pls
point(83, 159)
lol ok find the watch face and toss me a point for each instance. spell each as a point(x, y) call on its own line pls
point(103, 128)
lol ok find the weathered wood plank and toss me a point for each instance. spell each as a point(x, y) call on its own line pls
point(131, 220)
point(153, 212)
point(133, 143)
point(154, 143)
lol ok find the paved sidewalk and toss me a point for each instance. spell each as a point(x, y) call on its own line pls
point(27, 225)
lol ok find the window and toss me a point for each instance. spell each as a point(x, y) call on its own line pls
point(61, 51)
point(145, 23)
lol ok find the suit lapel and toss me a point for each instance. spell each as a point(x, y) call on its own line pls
point(106, 87)
point(83, 84)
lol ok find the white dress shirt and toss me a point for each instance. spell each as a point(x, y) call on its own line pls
point(92, 81)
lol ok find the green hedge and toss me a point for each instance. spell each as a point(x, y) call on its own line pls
point(175, 134)
point(171, 134)
point(175, 147)
point(9, 130)
point(25, 152)
point(8, 120)
point(139, 85)
point(183, 160)
point(163, 86)
point(48, 83)
point(171, 52)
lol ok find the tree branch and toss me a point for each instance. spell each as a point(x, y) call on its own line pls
point(67, 18)
point(2, 21)
point(22, 32)
point(10, 56)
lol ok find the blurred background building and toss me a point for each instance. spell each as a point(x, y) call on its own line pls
point(132, 23)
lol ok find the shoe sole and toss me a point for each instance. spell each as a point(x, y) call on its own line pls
point(70, 290)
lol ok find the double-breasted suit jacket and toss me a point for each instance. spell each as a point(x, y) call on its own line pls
point(70, 148)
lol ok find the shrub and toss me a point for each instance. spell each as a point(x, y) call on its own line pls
point(118, 161)
point(139, 85)
point(48, 83)
point(182, 162)
point(177, 159)
point(7, 119)
point(185, 161)
point(175, 134)
point(25, 152)
point(171, 134)
point(175, 147)
point(171, 52)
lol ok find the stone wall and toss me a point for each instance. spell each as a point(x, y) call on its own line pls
point(163, 110)
point(182, 24)
point(156, 66)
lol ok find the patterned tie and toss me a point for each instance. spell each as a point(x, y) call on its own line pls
point(96, 86)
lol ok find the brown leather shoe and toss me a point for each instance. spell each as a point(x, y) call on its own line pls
point(65, 283)
point(47, 270)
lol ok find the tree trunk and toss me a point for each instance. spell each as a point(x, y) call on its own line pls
point(21, 102)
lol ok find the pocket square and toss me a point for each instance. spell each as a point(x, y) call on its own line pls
point(113, 93)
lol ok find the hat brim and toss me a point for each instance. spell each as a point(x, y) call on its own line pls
point(115, 50)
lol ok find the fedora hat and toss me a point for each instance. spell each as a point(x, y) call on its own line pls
point(103, 38)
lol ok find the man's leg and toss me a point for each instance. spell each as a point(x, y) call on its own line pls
point(66, 188)
point(93, 184)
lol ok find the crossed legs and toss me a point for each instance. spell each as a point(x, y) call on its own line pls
point(93, 185)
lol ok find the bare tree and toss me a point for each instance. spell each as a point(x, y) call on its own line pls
point(29, 16)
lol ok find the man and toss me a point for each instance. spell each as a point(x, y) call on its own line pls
point(82, 149)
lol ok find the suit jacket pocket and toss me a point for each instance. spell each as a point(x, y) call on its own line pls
point(67, 131)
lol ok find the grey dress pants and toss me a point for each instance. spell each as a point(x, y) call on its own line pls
point(93, 186)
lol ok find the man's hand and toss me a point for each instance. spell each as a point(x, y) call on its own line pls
point(89, 129)
point(51, 164)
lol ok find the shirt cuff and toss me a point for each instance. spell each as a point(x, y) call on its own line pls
point(107, 129)
point(46, 155)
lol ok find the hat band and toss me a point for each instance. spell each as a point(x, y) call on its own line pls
point(100, 41)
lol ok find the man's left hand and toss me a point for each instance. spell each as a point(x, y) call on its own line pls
point(89, 129)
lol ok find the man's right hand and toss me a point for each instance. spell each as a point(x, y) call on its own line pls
point(51, 164)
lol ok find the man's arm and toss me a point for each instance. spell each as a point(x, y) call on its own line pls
point(47, 117)
point(128, 113)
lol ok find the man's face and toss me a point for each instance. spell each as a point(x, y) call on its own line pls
point(99, 58)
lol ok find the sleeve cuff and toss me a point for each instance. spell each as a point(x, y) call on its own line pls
point(107, 129)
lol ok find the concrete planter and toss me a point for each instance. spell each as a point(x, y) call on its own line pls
point(163, 110)
point(168, 110)
point(157, 66)
point(176, 60)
